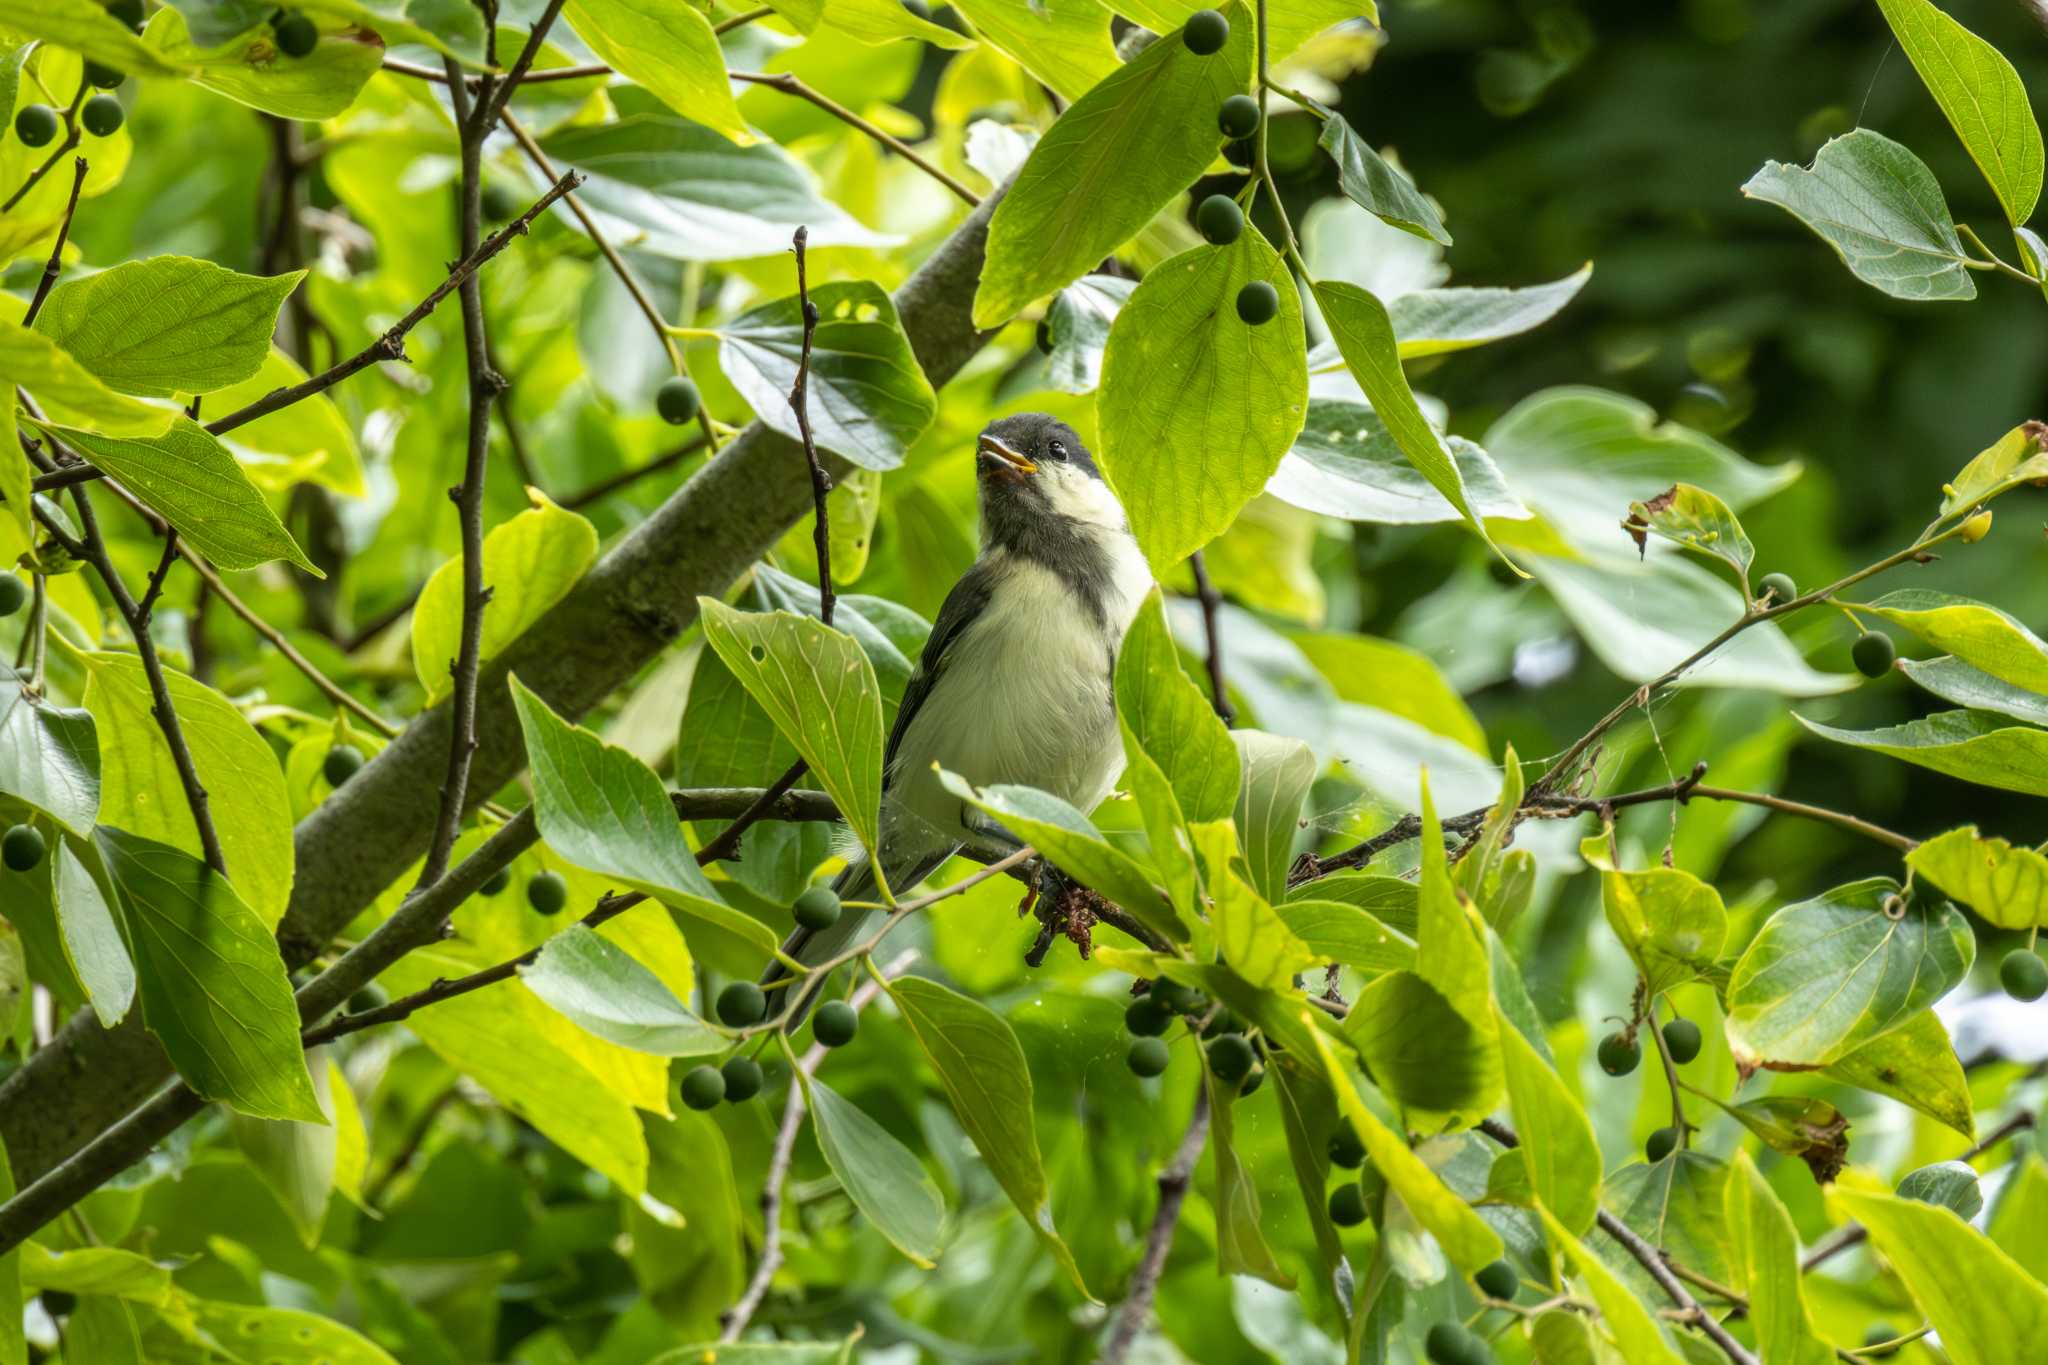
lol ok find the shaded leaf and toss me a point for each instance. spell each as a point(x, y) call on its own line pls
point(1277, 774)
point(49, 755)
point(1435, 321)
point(1241, 1247)
point(1955, 681)
point(1345, 463)
point(92, 936)
point(1971, 745)
point(1375, 186)
point(1558, 1145)
point(884, 1178)
point(1078, 322)
point(600, 988)
point(1622, 1314)
point(1951, 1184)
point(296, 1160)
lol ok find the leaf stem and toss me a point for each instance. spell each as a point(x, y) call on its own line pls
point(788, 84)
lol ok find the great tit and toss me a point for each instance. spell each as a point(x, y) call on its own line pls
point(1015, 682)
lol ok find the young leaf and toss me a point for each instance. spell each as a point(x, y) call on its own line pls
point(868, 21)
point(1115, 158)
point(1671, 922)
point(983, 1070)
point(882, 1177)
point(1557, 1139)
point(1172, 719)
point(1277, 773)
point(214, 990)
point(818, 687)
point(1375, 186)
point(1696, 519)
point(530, 563)
point(2006, 884)
point(1977, 633)
point(1983, 97)
point(168, 325)
point(1971, 745)
point(1254, 940)
point(603, 809)
point(1987, 1309)
point(1345, 463)
point(2015, 458)
point(869, 401)
point(601, 989)
point(1437, 321)
point(670, 51)
point(49, 755)
point(1766, 1264)
point(1241, 1247)
point(1882, 211)
point(1198, 406)
point(1827, 975)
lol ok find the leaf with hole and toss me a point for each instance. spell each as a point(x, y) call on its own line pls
point(1695, 519)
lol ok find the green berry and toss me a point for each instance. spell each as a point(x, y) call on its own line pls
point(547, 892)
point(1347, 1205)
point(22, 847)
point(1219, 220)
point(296, 36)
point(817, 907)
point(1174, 996)
point(35, 125)
point(1619, 1054)
point(103, 77)
point(13, 594)
point(1148, 1056)
point(128, 12)
point(1498, 1281)
point(836, 1024)
point(677, 401)
point(742, 1079)
point(1205, 32)
point(1241, 154)
point(703, 1087)
point(742, 1003)
point(1452, 1343)
point(496, 882)
point(1346, 1150)
point(370, 997)
point(1239, 116)
point(1252, 1082)
point(58, 1303)
point(102, 115)
point(1662, 1143)
point(1222, 1022)
point(343, 761)
point(1682, 1040)
point(1778, 587)
point(1873, 653)
point(1231, 1058)
point(1877, 1334)
point(2024, 975)
point(1146, 1017)
point(1258, 303)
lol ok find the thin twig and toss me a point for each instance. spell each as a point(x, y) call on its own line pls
point(70, 141)
point(55, 265)
point(1136, 1310)
point(734, 1320)
point(790, 85)
point(492, 95)
point(799, 403)
point(725, 26)
point(1212, 601)
point(605, 487)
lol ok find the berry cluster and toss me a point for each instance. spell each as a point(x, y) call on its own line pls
point(1234, 1058)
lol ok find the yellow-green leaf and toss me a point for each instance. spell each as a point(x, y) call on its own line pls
point(1622, 1314)
point(1172, 719)
point(2015, 458)
point(1557, 1139)
point(1765, 1264)
point(1971, 745)
point(2006, 884)
point(670, 51)
point(1983, 97)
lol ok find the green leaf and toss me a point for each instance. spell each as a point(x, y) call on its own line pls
point(49, 755)
point(93, 945)
point(187, 475)
point(167, 326)
point(1916, 1065)
point(1970, 745)
point(602, 989)
point(2013, 459)
point(882, 1177)
point(1118, 155)
point(1671, 922)
point(1465, 1237)
point(1364, 334)
point(1078, 323)
point(1277, 773)
point(1951, 1184)
point(2006, 884)
point(1882, 211)
point(1197, 407)
point(249, 70)
point(1557, 1138)
point(668, 49)
point(603, 809)
point(762, 1352)
point(675, 188)
point(309, 442)
point(1308, 1114)
point(530, 563)
point(1169, 839)
point(1765, 1264)
point(1437, 321)
point(1375, 186)
point(1392, 677)
point(13, 1337)
point(1336, 932)
point(1064, 43)
point(1987, 1309)
point(1980, 635)
point(1424, 1053)
point(103, 1331)
point(1172, 718)
point(2022, 1208)
point(1289, 23)
point(1696, 519)
point(278, 1335)
point(1827, 975)
point(1241, 1247)
point(140, 790)
point(1675, 1204)
point(868, 21)
point(296, 1160)
point(869, 400)
point(1450, 942)
point(85, 27)
point(982, 1067)
point(1798, 1125)
point(1983, 97)
point(106, 1271)
point(214, 989)
point(68, 389)
point(1955, 681)
point(1622, 1314)
point(1251, 937)
point(1345, 463)
point(818, 687)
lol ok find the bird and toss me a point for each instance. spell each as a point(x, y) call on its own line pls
point(1016, 681)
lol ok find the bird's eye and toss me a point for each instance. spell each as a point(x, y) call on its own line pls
point(1059, 451)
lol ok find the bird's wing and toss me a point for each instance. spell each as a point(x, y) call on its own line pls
point(961, 607)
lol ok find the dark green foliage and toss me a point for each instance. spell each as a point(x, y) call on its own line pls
point(1258, 303)
point(296, 35)
point(2023, 974)
point(835, 1024)
point(1146, 1017)
point(1239, 116)
point(677, 400)
point(1231, 1057)
point(547, 892)
point(1174, 996)
point(742, 1003)
point(1345, 1148)
point(343, 761)
point(817, 907)
point(1778, 587)
point(499, 203)
point(1347, 1205)
point(128, 12)
point(22, 847)
point(14, 594)
point(370, 997)
point(1873, 654)
point(1148, 1056)
point(742, 1078)
point(1042, 336)
point(1222, 1022)
point(58, 1303)
point(1619, 1054)
point(1206, 32)
point(1219, 220)
point(1498, 1281)
point(1452, 1343)
point(1241, 153)
point(1682, 1040)
point(703, 1087)
point(35, 125)
point(1660, 1145)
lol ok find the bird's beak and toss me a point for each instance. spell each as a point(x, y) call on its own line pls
point(1001, 461)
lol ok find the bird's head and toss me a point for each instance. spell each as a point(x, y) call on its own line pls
point(1033, 469)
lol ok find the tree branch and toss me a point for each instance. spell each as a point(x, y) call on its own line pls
point(55, 265)
point(1136, 1310)
point(1211, 600)
point(788, 84)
